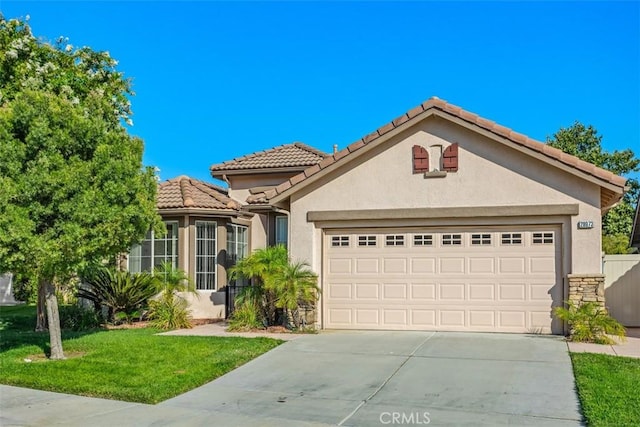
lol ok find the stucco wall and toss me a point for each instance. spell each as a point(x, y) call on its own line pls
point(490, 174)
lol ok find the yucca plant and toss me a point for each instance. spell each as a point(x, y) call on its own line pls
point(589, 322)
point(119, 291)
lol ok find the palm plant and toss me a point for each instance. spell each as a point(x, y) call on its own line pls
point(171, 310)
point(295, 285)
point(119, 291)
point(276, 284)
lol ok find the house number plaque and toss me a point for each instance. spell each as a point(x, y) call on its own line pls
point(583, 225)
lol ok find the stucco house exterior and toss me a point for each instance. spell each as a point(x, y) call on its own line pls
point(438, 220)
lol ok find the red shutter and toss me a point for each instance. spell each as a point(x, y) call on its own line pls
point(420, 159)
point(450, 158)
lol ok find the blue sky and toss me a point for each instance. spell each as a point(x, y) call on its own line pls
point(216, 80)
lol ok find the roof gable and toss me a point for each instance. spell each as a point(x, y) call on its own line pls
point(290, 156)
point(612, 185)
point(188, 193)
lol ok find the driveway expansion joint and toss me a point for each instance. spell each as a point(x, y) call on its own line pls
point(386, 381)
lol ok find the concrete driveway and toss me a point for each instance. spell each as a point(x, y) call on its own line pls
point(394, 378)
point(350, 379)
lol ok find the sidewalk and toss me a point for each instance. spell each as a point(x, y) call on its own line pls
point(219, 329)
point(628, 348)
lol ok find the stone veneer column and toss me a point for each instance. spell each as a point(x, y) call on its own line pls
point(586, 288)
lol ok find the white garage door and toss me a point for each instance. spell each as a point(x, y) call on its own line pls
point(504, 280)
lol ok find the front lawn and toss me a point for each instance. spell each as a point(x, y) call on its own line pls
point(132, 365)
point(609, 389)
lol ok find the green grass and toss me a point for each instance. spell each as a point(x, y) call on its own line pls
point(132, 365)
point(609, 389)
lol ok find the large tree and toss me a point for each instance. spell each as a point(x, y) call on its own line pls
point(585, 143)
point(73, 190)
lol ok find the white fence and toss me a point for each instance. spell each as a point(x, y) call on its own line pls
point(622, 288)
point(6, 292)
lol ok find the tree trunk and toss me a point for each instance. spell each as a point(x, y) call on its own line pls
point(55, 335)
point(41, 317)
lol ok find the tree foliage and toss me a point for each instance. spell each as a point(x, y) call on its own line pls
point(73, 190)
point(585, 143)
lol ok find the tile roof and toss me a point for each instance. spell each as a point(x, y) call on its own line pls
point(285, 156)
point(185, 193)
point(444, 109)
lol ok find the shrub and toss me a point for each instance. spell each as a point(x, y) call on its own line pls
point(279, 287)
point(119, 291)
point(245, 317)
point(77, 318)
point(169, 313)
point(589, 323)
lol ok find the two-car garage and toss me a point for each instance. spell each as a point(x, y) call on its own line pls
point(498, 279)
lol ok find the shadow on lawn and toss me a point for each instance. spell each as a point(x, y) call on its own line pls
point(17, 324)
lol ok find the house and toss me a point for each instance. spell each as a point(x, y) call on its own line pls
point(438, 220)
point(634, 241)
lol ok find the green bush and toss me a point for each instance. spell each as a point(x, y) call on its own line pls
point(279, 287)
point(589, 323)
point(245, 317)
point(119, 291)
point(169, 312)
point(77, 318)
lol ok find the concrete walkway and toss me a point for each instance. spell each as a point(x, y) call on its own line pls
point(219, 329)
point(628, 348)
point(351, 379)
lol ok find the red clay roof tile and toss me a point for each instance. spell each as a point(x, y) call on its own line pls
point(184, 192)
point(289, 155)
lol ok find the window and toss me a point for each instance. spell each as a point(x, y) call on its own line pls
point(155, 249)
point(422, 240)
point(367, 241)
point(511, 238)
point(282, 231)
point(237, 243)
point(339, 241)
point(452, 239)
point(206, 250)
point(394, 240)
point(480, 239)
point(542, 238)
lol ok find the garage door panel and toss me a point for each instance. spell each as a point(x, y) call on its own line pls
point(423, 291)
point(452, 318)
point(423, 265)
point(512, 291)
point(395, 266)
point(487, 282)
point(512, 265)
point(394, 291)
point(481, 292)
point(482, 265)
point(367, 316)
point(339, 317)
point(339, 291)
point(396, 317)
point(423, 318)
point(367, 265)
point(480, 319)
point(451, 291)
point(512, 319)
point(451, 265)
point(367, 291)
point(340, 266)
point(541, 265)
